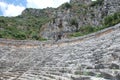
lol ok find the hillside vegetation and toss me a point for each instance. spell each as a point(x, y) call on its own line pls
point(21, 27)
point(29, 24)
point(109, 21)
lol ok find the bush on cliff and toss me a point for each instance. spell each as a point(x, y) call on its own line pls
point(111, 20)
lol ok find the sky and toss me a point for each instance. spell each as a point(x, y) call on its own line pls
point(15, 7)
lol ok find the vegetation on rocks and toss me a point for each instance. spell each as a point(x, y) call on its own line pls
point(86, 30)
point(109, 21)
point(112, 19)
point(78, 18)
point(66, 5)
point(22, 27)
point(98, 2)
point(74, 22)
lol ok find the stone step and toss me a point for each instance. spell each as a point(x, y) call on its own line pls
point(50, 73)
point(9, 76)
point(11, 59)
point(36, 77)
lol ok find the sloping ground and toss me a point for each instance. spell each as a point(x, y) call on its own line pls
point(92, 57)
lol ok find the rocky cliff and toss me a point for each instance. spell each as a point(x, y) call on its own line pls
point(81, 13)
point(61, 22)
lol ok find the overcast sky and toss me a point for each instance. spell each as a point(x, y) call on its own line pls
point(15, 7)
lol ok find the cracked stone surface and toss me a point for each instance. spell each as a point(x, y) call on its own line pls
point(97, 57)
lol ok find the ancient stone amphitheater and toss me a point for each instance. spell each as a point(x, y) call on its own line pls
point(92, 57)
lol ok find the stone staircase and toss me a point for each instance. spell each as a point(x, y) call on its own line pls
point(93, 58)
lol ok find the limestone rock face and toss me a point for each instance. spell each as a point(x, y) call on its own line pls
point(69, 18)
point(79, 15)
point(81, 1)
point(112, 6)
point(38, 12)
point(60, 24)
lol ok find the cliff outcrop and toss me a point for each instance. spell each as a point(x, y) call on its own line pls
point(57, 23)
point(81, 13)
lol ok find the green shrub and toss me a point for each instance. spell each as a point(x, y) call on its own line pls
point(76, 34)
point(20, 36)
point(111, 20)
point(78, 73)
point(87, 29)
point(83, 31)
point(74, 22)
point(66, 5)
point(42, 39)
point(97, 2)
